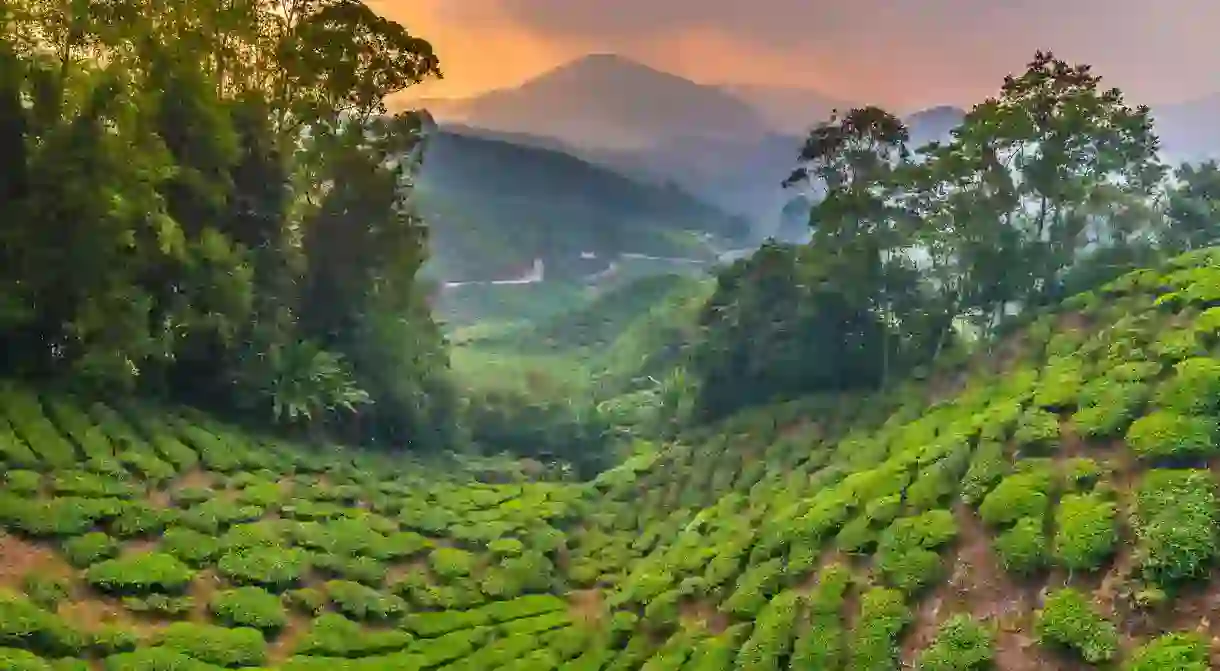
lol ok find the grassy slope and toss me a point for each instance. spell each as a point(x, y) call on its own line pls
point(834, 533)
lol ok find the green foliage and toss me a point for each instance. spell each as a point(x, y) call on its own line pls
point(216, 645)
point(906, 555)
point(987, 467)
point(1085, 533)
point(1193, 389)
point(363, 603)
point(1037, 430)
point(250, 607)
point(90, 548)
point(1110, 409)
point(961, 644)
point(821, 643)
point(1165, 436)
point(45, 591)
point(1175, 522)
point(140, 574)
point(25, 625)
point(883, 616)
point(1022, 548)
point(1067, 619)
point(1018, 496)
point(1176, 652)
point(274, 568)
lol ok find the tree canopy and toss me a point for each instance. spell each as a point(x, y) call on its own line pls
point(209, 200)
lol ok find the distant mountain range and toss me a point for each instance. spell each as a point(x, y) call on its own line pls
point(577, 130)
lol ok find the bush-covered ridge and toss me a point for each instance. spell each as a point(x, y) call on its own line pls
point(1061, 512)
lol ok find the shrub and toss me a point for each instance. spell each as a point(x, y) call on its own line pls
point(1067, 619)
point(987, 467)
point(13, 659)
point(1111, 412)
point(1193, 389)
point(821, 645)
point(91, 548)
point(307, 600)
point(91, 485)
point(1018, 496)
point(363, 603)
point(139, 519)
point(251, 607)
point(22, 483)
point(159, 604)
point(1022, 548)
point(451, 562)
point(1085, 535)
point(1169, 436)
point(333, 635)
point(140, 574)
point(883, 616)
point(1037, 430)
point(216, 645)
point(754, 588)
point(56, 517)
point(905, 554)
point(961, 644)
point(1172, 652)
point(1175, 524)
point(360, 569)
point(274, 568)
point(192, 547)
point(771, 639)
point(23, 624)
point(1059, 385)
point(45, 591)
point(191, 496)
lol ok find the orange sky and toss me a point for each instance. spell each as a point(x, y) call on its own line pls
point(886, 51)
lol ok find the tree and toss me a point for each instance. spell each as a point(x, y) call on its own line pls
point(1068, 158)
point(780, 325)
point(1193, 207)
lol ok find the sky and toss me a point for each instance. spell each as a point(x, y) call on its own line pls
point(903, 53)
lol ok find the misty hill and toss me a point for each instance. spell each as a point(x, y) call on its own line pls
point(728, 145)
point(494, 206)
point(789, 110)
point(607, 101)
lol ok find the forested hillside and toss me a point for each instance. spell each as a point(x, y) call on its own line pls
point(494, 206)
point(206, 202)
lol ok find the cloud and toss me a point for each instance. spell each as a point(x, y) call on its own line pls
point(922, 50)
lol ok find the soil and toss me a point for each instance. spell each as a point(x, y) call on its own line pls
point(586, 606)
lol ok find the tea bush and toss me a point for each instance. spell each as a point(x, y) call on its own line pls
point(1085, 535)
point(1018, 496)
point(140, 574)
point(961, 644)
point(1175, 521)
point(1067, 619)
point(1166, 436)
point(90, 548)
point(820, 640)
point(216, 645)
point(251, 607)
point(883, 616)
point(1179, 652)
point(274, 568)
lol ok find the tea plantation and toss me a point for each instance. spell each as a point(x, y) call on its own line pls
point(1050, 505)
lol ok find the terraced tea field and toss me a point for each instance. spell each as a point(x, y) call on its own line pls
point(1050, 506)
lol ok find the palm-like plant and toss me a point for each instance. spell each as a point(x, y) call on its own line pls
point(301, 382)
